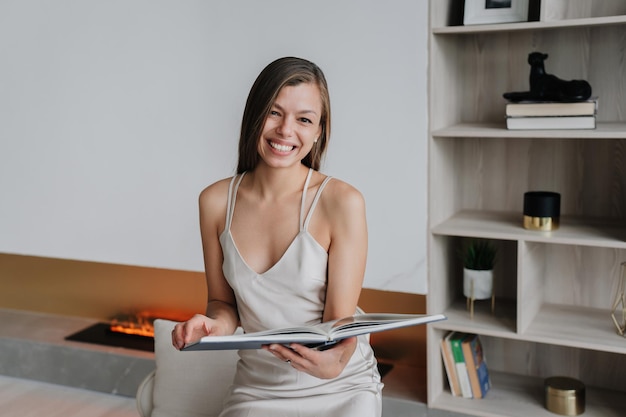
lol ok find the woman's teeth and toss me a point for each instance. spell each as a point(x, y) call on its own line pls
point(282, 148)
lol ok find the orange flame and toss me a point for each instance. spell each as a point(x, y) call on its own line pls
point(138, 324)
point(142, 323)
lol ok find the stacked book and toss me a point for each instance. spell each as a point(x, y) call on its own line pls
point(529, 115)
point(465, 364)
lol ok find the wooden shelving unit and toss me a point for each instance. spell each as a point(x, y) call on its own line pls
point(553, 290)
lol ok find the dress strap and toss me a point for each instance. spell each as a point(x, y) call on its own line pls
point(232, 197)
point(305, 225)
point(303, 202)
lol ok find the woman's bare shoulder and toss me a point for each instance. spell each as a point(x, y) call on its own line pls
point(216, 194)
point(340, 195)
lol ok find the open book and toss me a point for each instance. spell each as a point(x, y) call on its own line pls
point(320, 336)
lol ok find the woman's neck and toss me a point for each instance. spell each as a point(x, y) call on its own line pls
point(272, 183)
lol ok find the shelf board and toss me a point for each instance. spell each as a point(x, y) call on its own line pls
point(575, 326)
point(603, 130)
point(521, 396)
point(557, 325)
point(511, 27)
point(500, 324)
point(508, 226)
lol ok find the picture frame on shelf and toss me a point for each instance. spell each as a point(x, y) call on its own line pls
point(478, 12)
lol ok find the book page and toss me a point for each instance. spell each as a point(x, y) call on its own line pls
point(377, 322)
point(314, 335)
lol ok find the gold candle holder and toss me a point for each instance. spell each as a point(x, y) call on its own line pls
point(565, 396)
point(542, 210)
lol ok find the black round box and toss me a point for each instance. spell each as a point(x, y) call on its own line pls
point(542, 210)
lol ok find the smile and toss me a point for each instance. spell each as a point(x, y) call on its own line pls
point(281, 148)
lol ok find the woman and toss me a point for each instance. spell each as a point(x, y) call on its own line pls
point(283, 246)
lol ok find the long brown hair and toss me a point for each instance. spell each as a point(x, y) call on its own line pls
point(288, 71)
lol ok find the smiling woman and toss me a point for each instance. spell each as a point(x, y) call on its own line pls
point(286, 246)
point(311, 102)
point(292, 127)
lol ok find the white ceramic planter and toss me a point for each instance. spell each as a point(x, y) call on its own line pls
point(482, 282)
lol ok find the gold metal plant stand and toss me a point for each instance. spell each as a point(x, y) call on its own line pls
point(618, 313)
point(469, 301)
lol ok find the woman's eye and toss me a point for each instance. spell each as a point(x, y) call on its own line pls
point(274, 113)
point(305, 120)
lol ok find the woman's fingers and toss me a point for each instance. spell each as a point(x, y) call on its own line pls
point(322, 364)
point(189, 331)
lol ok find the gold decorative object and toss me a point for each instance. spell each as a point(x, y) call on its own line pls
point(564, 396)
point(542, 210)
point(618, 312)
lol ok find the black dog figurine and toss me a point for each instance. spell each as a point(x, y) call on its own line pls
point(548, 87)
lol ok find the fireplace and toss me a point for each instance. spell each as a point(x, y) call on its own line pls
point(131, 331)
point(101, 334)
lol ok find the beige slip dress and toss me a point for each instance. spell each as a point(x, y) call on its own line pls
point(291, 292)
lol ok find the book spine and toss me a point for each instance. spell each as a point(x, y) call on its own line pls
point(471, 365)
point(477, 366)
point(483, 379)
point(448, 362)
point(481, 366)
point(461, 368)
point(550, 108)
point(565, 122)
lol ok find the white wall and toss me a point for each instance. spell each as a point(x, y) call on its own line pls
point(115, 114)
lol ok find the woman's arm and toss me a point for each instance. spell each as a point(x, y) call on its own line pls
point(221, 313)
point(347, 254)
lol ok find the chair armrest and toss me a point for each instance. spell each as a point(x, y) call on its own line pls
point(144, 397)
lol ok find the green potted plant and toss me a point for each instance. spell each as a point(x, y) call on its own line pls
point(480, 255)
point(479, 258)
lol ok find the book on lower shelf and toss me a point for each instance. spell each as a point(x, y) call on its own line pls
point(456, 340)
point(552, 108)
point(476, 365)
point(450, 366)
point(551, 122)
point(465, 365)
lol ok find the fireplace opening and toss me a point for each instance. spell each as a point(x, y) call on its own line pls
point(131, 331)
point(101, 334)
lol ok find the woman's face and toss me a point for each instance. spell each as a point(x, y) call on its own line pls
point(292, 126)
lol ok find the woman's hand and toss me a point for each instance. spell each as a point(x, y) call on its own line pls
point(194, 329)
point(324, 364)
